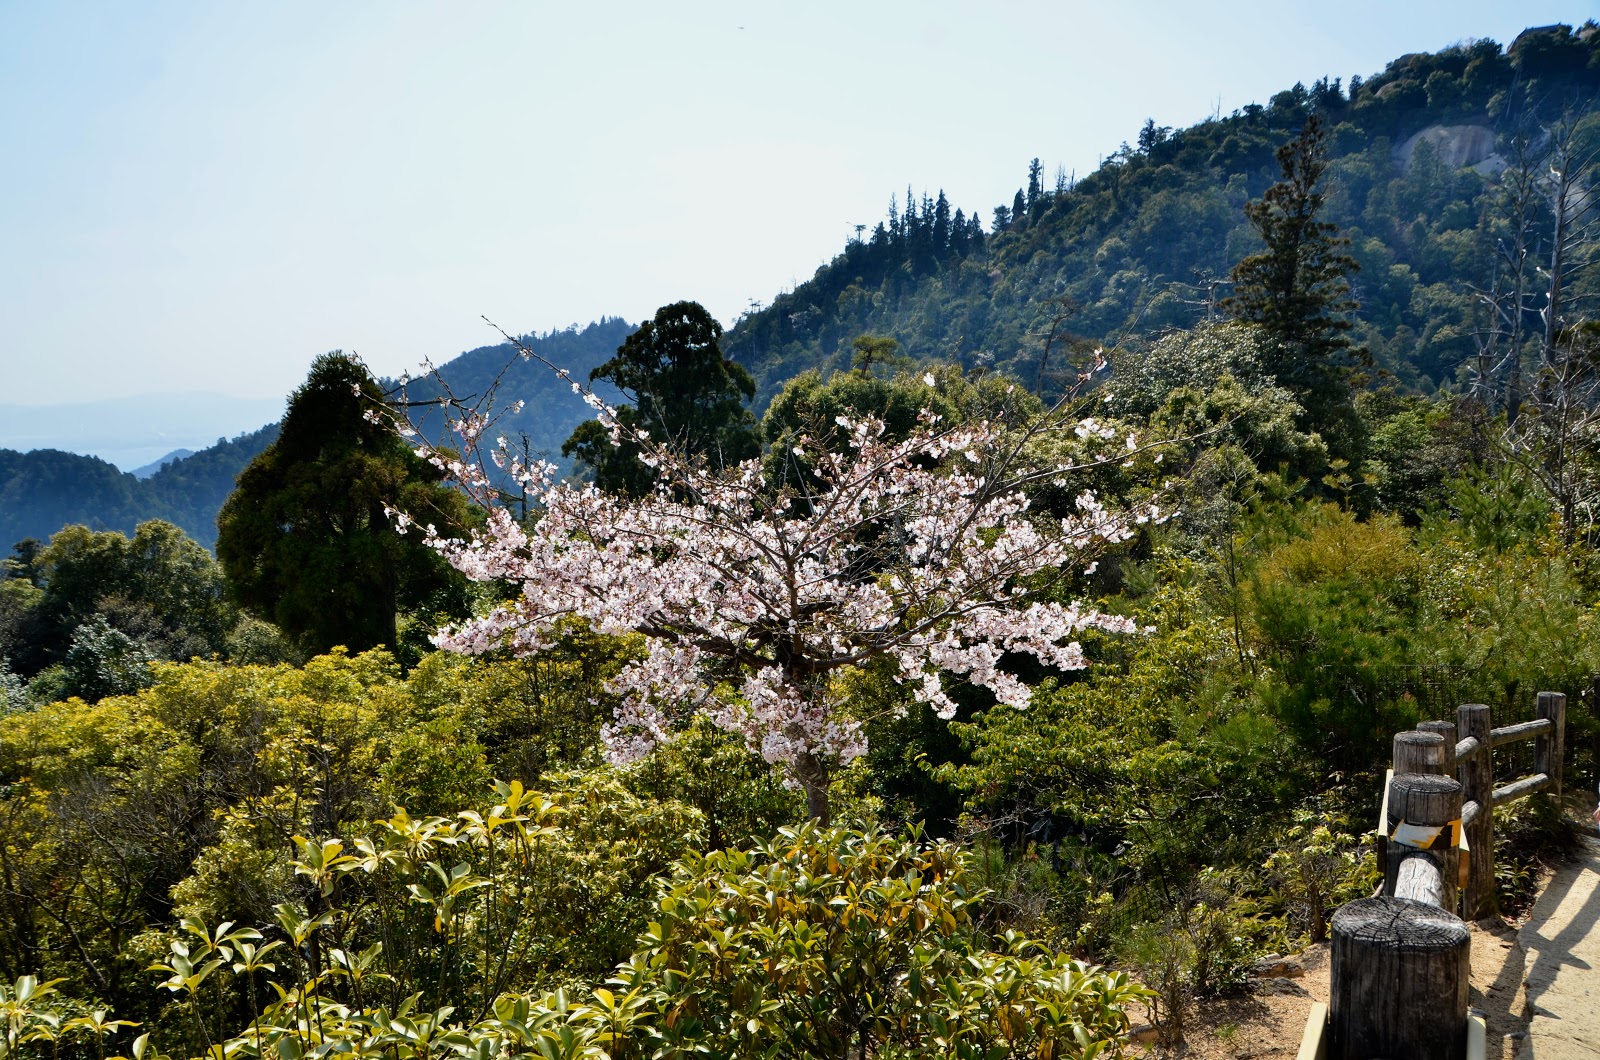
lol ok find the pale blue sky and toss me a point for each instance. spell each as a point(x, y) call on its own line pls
point(204, 196)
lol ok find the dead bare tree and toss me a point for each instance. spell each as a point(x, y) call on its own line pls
point(1568, 171)
point(1505, 304)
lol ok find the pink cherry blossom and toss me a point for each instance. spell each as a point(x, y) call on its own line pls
point(751, 599)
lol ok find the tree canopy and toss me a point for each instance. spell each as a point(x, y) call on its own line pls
point(684, 393)
point(1297, 290)
point(307, 541)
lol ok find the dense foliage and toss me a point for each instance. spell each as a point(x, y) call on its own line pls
point(306, 540)
point(1147, 241)
point(680, 391)
point(580, 833)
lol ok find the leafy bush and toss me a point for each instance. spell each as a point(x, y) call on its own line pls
point(1530, 836)
point(824, 942)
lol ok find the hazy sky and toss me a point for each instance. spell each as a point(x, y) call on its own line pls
point(204, 196)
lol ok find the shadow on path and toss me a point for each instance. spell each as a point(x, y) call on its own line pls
point(1562, 977)
point(1505, 1010)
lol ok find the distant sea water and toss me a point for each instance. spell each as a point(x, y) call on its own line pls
point(134, 431)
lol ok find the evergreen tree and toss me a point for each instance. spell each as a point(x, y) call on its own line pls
point(959, 235)
point(874, 349)
point(1297, 289)
point(684, 393)
point(306, 540)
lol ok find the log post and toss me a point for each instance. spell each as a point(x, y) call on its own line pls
point(1421, 752)
point(1418, 878)
point(1399, 981)
point(1414, 752)
point(1447, 729)
point(1423, 803)
point(1476, 773)
point(1594, 712)
point(1550, 750)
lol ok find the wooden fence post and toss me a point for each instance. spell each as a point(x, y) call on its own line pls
point(1421, 752)
point(1428, 807)
point(1476, 773)
point(1398, 988)
point(1550, 751)
point(1447, 729)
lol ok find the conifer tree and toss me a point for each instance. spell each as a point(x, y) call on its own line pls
point(684, 393)
point(306, 540)
point(1297, 289)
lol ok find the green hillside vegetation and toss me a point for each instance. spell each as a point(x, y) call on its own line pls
point(45, 489)
point(1146, 242)
point(682, 790)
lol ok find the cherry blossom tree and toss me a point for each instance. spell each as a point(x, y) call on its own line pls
point(751, 598)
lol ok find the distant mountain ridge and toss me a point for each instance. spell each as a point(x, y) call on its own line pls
point(134, 430)
point(44, 489)
point(1141, 246)
point(551, 410)
point(160, 462)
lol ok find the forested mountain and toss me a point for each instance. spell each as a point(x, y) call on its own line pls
point(1145, 243)
point(951, 722)
point(45, 489)
point(550, 410)
point(160, 462)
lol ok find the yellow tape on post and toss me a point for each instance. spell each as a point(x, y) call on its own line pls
point(1424, 836)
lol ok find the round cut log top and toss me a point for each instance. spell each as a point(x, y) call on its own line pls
point(1421, 752)
point(1424, 798)
point(1399, 924)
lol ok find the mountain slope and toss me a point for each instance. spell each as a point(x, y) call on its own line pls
point(43, 490)
point(551, 410)
point(1146, 242)
point(160, 462)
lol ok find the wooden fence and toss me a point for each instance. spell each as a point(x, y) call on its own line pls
point(1400, 962)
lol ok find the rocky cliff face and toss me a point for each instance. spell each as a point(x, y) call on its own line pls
point(1456, 146)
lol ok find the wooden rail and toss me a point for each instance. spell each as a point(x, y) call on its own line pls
point(1400, 959)
point(1526, 786)
point(1512, 733)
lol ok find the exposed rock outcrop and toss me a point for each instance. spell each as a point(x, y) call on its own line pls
point(1456, 146)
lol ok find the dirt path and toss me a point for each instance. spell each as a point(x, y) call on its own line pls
point(1562, 939)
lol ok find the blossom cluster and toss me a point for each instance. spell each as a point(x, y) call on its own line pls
point(752, 590)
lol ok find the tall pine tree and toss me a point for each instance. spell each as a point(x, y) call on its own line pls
point(1297, 289)
point(306, 539)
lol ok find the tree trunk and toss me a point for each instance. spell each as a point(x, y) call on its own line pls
point(1477, 782)
point(812, 776)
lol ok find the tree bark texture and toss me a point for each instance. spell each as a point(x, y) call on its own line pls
point(1477, 784)
point(1399, 982)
